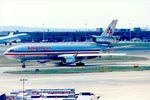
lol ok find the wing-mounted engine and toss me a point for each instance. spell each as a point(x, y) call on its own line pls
point(68, 60)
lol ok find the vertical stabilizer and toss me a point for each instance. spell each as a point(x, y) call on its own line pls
point(110, 29)
point(11, 33)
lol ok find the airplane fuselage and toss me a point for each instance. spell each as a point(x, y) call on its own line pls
point(45, 51)
point(9, 39)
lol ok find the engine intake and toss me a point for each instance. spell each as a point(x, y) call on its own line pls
point(68, 60)
point(104, 40)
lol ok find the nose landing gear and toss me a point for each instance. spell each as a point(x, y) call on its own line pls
point(23, 64)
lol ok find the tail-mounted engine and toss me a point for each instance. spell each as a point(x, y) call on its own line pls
point(104, 40)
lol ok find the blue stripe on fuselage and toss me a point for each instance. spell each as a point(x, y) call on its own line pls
point(59, 47)
point(57, 51)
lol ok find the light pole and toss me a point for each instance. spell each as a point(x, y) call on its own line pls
point(43, 34)
point(86, 31)
point(130, 31)
point(23, 85)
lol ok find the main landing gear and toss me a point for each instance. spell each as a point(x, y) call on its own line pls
point(80, 64)
point(77, 64)
point(9, 43)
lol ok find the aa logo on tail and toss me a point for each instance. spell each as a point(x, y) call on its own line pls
point(109, 31)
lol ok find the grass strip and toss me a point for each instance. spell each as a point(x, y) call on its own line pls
point(82, 70)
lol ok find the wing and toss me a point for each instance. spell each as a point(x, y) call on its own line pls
point(89, 55)
point(71, 58)
point(100, 54)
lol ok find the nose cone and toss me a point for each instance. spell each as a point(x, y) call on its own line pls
point(8, 55)
point(5, 53)
point(27, 35)
point(24, 35)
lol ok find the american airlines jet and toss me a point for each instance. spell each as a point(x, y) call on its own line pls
point(67, 53)
point(12, 37)
point(107, 36)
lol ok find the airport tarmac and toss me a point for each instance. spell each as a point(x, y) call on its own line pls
point(108, 85)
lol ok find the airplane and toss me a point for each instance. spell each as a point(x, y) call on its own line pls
point(12, 38)
point(67, 53)
point(107, 36)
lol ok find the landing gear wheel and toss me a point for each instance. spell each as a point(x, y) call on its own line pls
point(23, 66)
point(80, 64)
point(10, 44)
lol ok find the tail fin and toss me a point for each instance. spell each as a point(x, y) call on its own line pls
point(11, 33)
point(110, 29)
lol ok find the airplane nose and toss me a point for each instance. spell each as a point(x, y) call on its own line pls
point(28, 35)
point(5, 53)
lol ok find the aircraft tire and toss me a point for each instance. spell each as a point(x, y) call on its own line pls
point(10, 44)
point(23, 66)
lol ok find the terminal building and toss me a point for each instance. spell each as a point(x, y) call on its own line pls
point(50, 94)
point(135, 34)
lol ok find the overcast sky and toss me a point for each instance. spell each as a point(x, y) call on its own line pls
point(74, 13)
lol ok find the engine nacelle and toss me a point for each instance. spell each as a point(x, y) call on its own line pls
point(104, 40)
point(68, 60)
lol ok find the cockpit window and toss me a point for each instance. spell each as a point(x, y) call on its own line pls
point(11, 50)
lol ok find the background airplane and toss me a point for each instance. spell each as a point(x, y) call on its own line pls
point(12, 38)
point(67, 53)
point(107, 36)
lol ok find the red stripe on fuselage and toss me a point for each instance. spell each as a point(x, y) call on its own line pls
point(39, 54)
